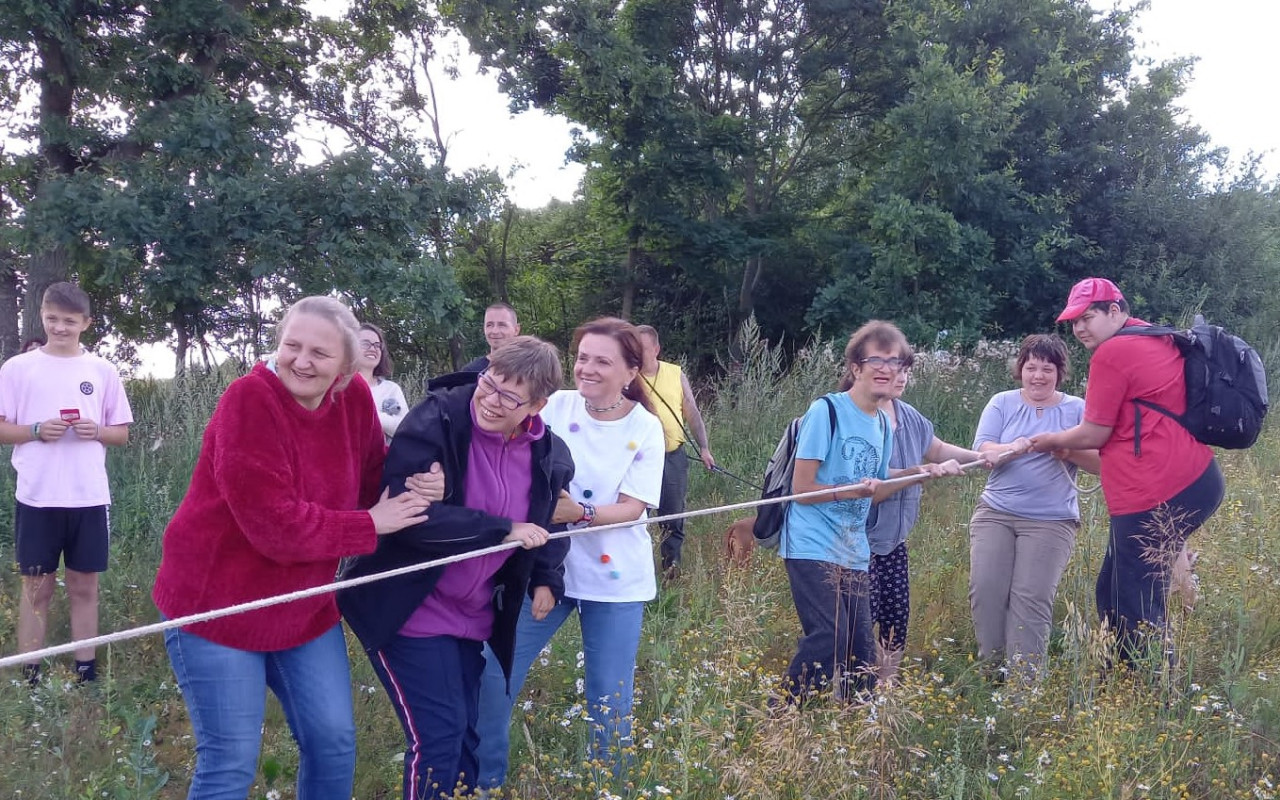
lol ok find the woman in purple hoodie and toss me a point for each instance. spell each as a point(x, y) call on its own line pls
point(424, 631)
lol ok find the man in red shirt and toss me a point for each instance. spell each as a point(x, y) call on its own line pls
point(1160, 484)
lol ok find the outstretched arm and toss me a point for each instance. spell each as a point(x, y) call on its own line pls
point(805, 479)
point(1085, 436)
point(694, 418)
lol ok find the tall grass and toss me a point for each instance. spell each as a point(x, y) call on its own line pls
point(716, 640)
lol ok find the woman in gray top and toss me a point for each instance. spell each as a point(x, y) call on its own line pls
point(915, 449)
point(1024, 527)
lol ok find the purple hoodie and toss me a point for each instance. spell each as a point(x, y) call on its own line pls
point(499, 478)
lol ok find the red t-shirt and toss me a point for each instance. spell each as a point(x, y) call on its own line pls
point(1125, 368)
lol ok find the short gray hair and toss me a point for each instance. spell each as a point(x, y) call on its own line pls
point(531, 362)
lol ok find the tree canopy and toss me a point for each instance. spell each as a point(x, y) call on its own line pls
point(954, 167)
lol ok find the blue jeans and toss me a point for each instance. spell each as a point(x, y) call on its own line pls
point(610, 639)
point(834, 607)
point(226, 694)
point(434, 685)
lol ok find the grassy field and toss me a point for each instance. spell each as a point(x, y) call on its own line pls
point(715, 640)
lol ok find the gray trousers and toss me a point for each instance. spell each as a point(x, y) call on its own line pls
point(675, 482)
point(1015, 564)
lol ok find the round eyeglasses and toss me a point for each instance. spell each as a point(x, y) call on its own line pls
point(506, 399)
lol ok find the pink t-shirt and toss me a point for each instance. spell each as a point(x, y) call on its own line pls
point(34, 387)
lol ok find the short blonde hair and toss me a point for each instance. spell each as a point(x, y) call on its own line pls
point(335, 312)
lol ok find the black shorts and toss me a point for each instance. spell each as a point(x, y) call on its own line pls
point(43, 536)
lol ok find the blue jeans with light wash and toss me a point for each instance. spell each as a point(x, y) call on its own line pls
point(610, 639)
point(226, 694)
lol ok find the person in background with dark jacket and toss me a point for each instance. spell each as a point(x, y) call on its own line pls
point(424, 632)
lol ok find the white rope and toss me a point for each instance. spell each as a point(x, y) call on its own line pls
point(302, 594)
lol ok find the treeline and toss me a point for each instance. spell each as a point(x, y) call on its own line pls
point(952, 166)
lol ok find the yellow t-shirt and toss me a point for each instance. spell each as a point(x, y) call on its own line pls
point(666, 385)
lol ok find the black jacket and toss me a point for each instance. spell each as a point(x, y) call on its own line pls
point(439, 429)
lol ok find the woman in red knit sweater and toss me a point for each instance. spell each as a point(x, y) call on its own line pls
point(290, 458)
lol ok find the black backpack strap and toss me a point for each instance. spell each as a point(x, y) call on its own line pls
point(1138, 405)
point(831, 413)
point(1147, 330)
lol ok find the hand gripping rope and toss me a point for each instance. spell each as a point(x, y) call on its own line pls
point(266, 602)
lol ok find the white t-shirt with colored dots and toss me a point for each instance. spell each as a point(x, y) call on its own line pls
point(621, 456)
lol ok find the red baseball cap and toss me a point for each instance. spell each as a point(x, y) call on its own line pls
point(1086, 293)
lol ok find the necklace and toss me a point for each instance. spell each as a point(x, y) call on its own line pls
point(1039, 407)
point(604, 409)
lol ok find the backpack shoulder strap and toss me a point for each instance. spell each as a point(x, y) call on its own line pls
point(831, 414)
point(1147, 330)
point(886, 427)
point(1138, 405)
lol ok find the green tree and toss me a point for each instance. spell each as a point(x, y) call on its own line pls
point(163, 168)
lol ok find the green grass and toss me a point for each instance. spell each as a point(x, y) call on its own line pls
point(715, 641)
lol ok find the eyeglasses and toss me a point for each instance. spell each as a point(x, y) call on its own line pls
point(507, 400)
point(895, 364)
point(371, 346)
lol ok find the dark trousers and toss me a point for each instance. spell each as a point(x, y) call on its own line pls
point(891, 597)
point(675, 482)
point(434, 686)
point(834, 607)
point(1134, 579)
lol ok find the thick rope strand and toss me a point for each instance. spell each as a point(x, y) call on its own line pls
point(302, 594)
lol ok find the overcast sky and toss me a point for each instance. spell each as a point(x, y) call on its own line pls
point(1230, 96)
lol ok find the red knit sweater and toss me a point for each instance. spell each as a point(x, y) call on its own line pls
point(273, 505)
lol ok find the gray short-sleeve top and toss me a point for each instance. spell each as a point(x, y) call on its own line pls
point(1036, 485)
point(891, 520)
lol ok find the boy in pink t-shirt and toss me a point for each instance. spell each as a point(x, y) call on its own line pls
point(59, 407)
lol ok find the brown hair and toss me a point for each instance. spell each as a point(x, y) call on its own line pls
point(1105, 306)
point(504, 307)
point(628, 339)
point(1046, 347)
point(67, 297)
point(530, 362)
point(876, 333)
point(385, 366)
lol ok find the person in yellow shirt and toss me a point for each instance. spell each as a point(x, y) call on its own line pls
point(675, 405)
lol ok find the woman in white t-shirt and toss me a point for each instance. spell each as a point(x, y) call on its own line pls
point(375, 367)
point(617, 446)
